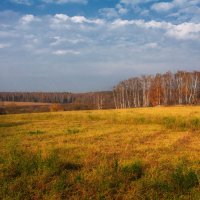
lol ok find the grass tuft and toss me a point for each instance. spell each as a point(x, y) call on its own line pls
point(23, 172)
point(133, 171)
point(36, 132)
point(73, 131)
point(184, 179)
point(195, 124)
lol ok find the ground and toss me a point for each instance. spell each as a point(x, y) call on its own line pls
point(143, 153)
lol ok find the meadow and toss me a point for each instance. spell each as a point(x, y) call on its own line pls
point(141, 153)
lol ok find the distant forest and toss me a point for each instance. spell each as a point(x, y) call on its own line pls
point(178, 88)
point(162, 89)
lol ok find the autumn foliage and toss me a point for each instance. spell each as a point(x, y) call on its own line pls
point(180, 88)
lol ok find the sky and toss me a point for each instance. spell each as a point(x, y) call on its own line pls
point(91, 45)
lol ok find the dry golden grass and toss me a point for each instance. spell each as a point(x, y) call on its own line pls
point(101, 143)
point(11, 103)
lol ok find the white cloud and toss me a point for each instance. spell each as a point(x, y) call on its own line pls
point(66, 1)
point(121, 10)
point(4, 45)
point(134, 2)
point(58, 18)
point(116, 47)
point(141, 23)
point(26, 19)
point(108, 12)
point(63, 52)
point(182, 31)
point(79, 19)
point(82, 19)
point(58, 41)
point(30, 2)
point(119, 22)
point(62, 40)
point(151, 45)
point(62, 18)
point(163, 6)
point(25, 2)
point(175, 4)
point(137, 7)
point(185, 31)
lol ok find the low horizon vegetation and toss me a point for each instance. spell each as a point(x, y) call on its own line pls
point(167, 89)
point(142, 153)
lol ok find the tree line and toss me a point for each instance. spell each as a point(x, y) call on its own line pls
point(169, 88)
point(161, 89)
point(79, 101)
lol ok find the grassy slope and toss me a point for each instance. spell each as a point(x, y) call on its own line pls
point(148, 153)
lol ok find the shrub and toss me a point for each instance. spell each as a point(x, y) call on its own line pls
point(21, 162)
point(116, 165)
point(1, 160)
point(133, 171)
point(195, 123)
point(27, 175)
point(142, 120)
point(161, 186)
point(2, 111)
point(184, 180)
point(62, 183)
point(72, 131)
point(56, 107)
point(169, 122)
point(181, 123)
point(95, 117)
point(37, 132)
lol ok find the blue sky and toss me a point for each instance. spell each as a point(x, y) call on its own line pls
point(85, 45)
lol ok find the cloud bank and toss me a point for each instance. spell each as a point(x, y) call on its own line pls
point(82, 53)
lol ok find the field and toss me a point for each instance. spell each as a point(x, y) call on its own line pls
point(13, 104)
point(143, 153)
point(11, 107)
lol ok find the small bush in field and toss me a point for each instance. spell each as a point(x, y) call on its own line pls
point(62, 183)
point(169, 122)
point(56, 107)
point(184, 180)
point(20, 162)
point(175, 123)
point(23, 172)
point(2, 111)
point(116, 165)
point(133, 171)
point(161, 186)
point(37, 132)
point(116, 176)
point(195, 123)
point(181, 123)
point(73, 131)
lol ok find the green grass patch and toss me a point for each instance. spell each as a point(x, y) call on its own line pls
point(72, 131)
point(36, 132)
point(25, 175)
point(180, 181)
point(181, 123)
point(161, 186)
point(11, 124)
point(184, 179)
point(133, 171)
point(195, 124)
